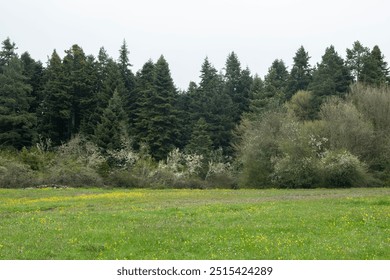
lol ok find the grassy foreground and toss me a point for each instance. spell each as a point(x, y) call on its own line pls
point(194, 224)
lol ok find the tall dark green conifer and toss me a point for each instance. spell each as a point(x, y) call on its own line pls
point(145, 90)
point(82, 87)
point(54, 113)
point(33, 70)
point(111, 130)
point(17, 123)
point(275, 82)
point(331, 77)
point(163, 129)
point(237, 86)
point(274, 87)
point(130, 96)
point(216, 107)
point(375, 70)
point(7, 52)
point(356, 58)
point(300, 75)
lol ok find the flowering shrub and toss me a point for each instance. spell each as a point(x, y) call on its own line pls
point(292, 172)
point(180, 164)
point(343, 169)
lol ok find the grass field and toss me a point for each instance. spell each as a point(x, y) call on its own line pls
point(194, 224)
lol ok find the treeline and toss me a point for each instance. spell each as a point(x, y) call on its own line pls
point(85, 120)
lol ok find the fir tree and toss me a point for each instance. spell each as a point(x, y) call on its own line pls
point(33, 71)
point(7, 53)
point(275, 82)
point(331, 77)
point(78, 71)
point(17, 123)
point(237, 86)
point(215, 106)
point(300, 75)
point(273, 88)
point(163, 125)
point(128, 92)
point(375, 70)
point(111, 130)
point(200, 142)
point(356, 58)
point(54, 113)
point(145, 90)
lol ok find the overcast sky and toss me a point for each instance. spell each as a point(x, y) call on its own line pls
point(187, 31)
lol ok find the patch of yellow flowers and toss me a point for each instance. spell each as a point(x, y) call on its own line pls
point(111, 195)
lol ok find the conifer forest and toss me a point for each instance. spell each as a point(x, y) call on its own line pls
point(89, 120)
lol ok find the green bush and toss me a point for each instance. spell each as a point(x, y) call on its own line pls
point(15, 175)
point(292, 172)
point(123, 179)
point(343, 169)
point(72, 173)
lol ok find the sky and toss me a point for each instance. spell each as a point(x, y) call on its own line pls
point(187, 31)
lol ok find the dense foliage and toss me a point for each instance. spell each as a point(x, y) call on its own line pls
point(85, 120)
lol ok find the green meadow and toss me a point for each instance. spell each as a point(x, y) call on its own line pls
point(74, 223)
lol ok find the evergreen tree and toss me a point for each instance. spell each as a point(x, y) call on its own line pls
point(246, 83)
point(200, 142)
point(273, 88)
point(33, 71)
point(185, 118)
point(214, 105)
point(237, 86)
point(81, 87)
point(356, 58)
point(108, 79)
point(128, 92)
point(258, 101)
point(275, 82)
point(156, 116)
point(111, 130)
point(54, 113)
point(7, 53)
point(163, 119)
point(124, 66)
point(375, 70)
point(331, 77)
point(145, 90)
point(17, 123)
point(300, 75)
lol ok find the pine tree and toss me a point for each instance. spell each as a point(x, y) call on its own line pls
point(111, 130)
point(375, 70)
point(128, 92)
point(81, 82)
point(54, 113)
point(7, 53)
point(108, 79)
point(300, 75)
point(33, 71)
point(216, 107)
point(200, 142)
point(356, 58)
point(237, 86)
point(163, 129)
point(273, 89)
point(258, 101)
point(17, 123)
point(275, 82)
point(157, 123)
point(331, 77)
point(145, 90)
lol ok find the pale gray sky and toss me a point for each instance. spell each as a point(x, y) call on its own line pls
point(187, 31)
